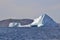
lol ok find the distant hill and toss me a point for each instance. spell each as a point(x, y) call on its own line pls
point(5, 23)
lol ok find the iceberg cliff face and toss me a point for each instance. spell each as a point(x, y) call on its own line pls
point(44, 20)
point(37, 21)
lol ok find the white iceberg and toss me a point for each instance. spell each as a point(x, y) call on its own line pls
point(43, 20)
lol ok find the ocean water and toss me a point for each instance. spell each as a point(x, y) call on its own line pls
point(29, 33)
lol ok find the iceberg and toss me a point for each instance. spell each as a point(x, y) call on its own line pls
point(44, 20)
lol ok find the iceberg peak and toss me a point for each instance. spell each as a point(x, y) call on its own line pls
point(44, 20)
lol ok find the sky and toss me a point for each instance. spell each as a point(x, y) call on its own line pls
point(19, 9)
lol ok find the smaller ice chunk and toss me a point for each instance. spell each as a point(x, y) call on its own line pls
point(15, 24)
point(12, 24)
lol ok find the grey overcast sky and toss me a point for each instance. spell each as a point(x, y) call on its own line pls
point(20, 9)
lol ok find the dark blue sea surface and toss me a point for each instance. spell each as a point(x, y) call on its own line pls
point(29, 33)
